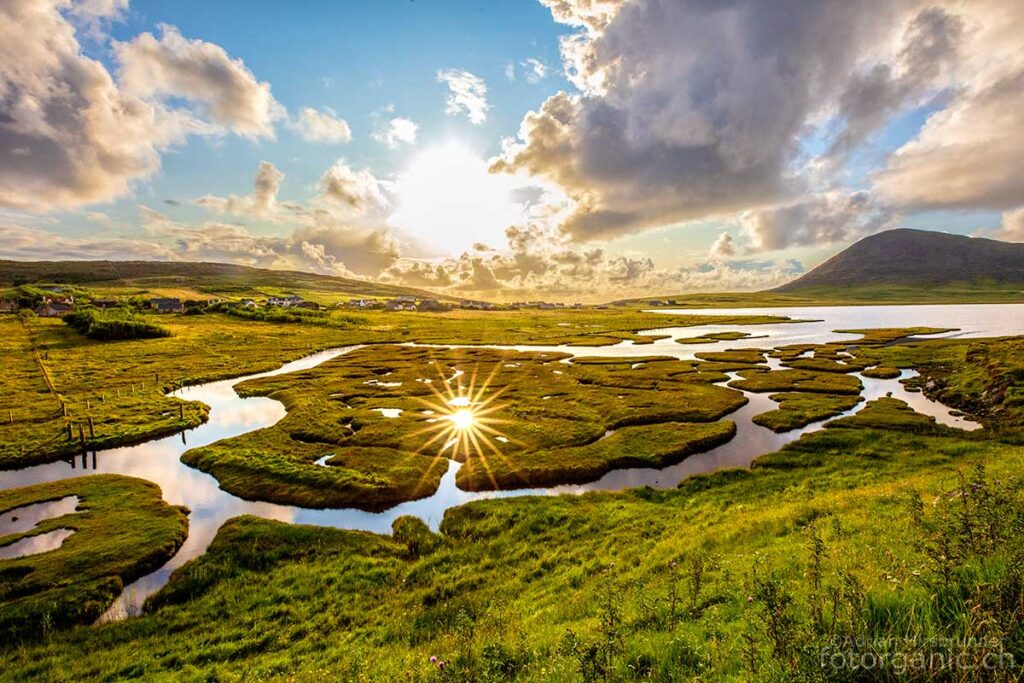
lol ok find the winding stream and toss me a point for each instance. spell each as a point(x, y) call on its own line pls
point(159, 460)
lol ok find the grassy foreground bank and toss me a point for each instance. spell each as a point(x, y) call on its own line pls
point(122, 530)
point(878, 538)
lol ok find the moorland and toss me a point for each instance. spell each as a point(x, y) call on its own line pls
point(884, 534)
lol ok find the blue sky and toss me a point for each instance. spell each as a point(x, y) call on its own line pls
point(356, 58)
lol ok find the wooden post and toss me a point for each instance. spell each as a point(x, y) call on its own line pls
point(92, 431)
point(181, 411)
point(11, 414)
point(71, 435)
point(81, 437)
point(64, 408)
point(88, 405)
point(133, 390)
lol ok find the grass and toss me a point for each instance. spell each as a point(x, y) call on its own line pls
point(722, 579)
point(797, 409)
point(797, 381)
point(121, 385)
point(123, 530)
point(886, 529)
point(881, 372)
point(552, 418)
point(952, 293)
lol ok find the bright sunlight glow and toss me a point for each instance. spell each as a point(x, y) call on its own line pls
point(449, 200)
point(462, 419)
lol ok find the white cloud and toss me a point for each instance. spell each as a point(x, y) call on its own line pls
point(356, 190)
point(1012, 228)
point(968, 156)
point(202, 72)
point(395, 131)
point(262, 203)
point(723, 248)
point(687, 110)
point(68, 134)
point(536, 70)
point(541, 263)
point(467, 94)
point(321, 126)
point(824, 218)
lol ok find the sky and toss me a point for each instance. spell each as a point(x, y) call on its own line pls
point(558, 149)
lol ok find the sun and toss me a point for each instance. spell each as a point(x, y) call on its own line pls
point(448, 199)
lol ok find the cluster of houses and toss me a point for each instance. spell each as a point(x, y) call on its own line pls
point(57, 305)
point(411, 303)
point(291, 301)
point(399, 303)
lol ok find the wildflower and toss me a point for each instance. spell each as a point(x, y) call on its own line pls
point(750, 598)
point(441, 664)
point(433, 659)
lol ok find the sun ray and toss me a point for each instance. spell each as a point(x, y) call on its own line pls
point(463, 415)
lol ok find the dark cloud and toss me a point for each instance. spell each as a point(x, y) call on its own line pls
point(691, 108)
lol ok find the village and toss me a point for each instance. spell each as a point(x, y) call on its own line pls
point(58, 301)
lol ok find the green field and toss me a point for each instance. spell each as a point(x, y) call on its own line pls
point(56, 377)
point(739, 575)
point(951, 293)
point(886, 531)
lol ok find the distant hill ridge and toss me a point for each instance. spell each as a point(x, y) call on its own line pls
point(916, 257)
point(220, 276)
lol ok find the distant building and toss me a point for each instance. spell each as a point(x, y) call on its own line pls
point(284, 301)
point(431, 305)
point(248, 303)
point(8, 305)
point(54, 309)
point(401, 304)
point(363, 303)
point(166, 305)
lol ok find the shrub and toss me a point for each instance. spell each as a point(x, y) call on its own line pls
point(113, 325)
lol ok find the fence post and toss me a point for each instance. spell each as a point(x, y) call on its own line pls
point(92, 432)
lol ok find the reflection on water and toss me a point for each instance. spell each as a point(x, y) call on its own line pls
point(33, 545)
point(230, 415)
point(27, 517)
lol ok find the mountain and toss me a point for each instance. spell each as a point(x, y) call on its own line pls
point(212, 278)
point(907, 257)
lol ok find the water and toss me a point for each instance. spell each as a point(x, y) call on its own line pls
point(26, 518)
point(33, 545)
point(159, 460)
